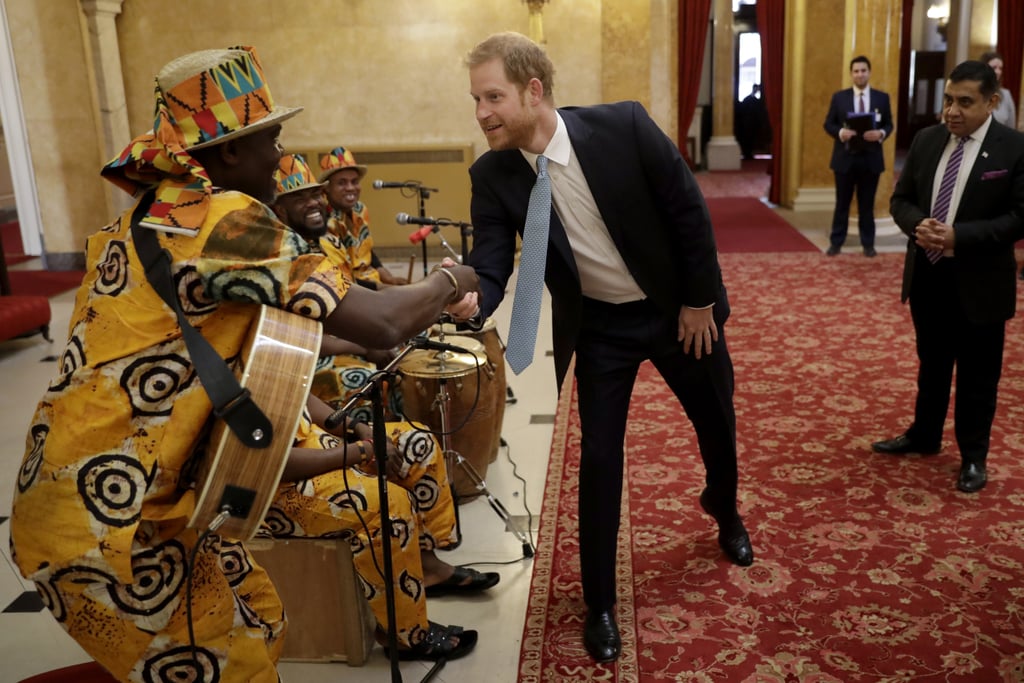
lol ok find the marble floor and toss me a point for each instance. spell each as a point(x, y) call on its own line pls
point(32, 642)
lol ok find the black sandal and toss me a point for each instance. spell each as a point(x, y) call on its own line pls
point(464, 580)
point(438, 644)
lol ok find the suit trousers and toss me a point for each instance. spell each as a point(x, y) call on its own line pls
point(614, 340)
point(864, 181)
point(946, 337)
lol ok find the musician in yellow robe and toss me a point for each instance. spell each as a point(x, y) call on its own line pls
point(349, 218)
point(101, 504)
point(415, 459)
point(344, 366)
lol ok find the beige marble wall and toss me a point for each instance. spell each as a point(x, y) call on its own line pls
point(370, 74)
point(53, 75)
point(626, 50)
point(815, 69)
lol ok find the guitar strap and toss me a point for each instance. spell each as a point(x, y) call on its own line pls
point(231, 402)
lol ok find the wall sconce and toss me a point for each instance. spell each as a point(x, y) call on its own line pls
point(537, 20)
point(940, 13)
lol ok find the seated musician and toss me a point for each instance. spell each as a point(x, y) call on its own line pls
point(344, 366)
point(323, 469)
point(415, 460)
point(101, 508)
point(350, 220)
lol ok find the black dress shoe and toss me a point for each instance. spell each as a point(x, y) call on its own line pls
point(832, 250)
point(870, 252)
point(601, 636)
point(901, 445)
point(732, 535)
point(972, 477)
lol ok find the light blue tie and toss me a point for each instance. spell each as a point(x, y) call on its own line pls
point(522, 334)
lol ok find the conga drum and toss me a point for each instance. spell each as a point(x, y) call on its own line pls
point(470, 415)
point(495, 349)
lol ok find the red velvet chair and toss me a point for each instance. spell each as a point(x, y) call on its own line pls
point(24, 315)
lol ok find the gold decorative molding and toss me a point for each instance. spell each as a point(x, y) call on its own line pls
point(536, 31)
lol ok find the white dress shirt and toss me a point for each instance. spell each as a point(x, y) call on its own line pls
point(603, 274)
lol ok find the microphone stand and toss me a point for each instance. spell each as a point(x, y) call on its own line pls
point(424, 193)
point(380, 453)
point(465, 230)
point(444, 243)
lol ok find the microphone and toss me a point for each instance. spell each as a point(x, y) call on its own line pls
point(423, 233)
point(380, 184)
point(405, 219)
point(430, 345)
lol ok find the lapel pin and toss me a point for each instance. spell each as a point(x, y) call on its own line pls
point(984, 155)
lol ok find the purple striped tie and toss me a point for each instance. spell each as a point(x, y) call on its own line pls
point(941, 209)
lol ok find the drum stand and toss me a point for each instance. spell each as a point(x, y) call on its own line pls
point(453, 458)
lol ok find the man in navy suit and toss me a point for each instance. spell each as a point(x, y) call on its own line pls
point(960, 200)
point(857, 153)
point(633, 273)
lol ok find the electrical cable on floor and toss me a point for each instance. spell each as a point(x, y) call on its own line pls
point(528, 549)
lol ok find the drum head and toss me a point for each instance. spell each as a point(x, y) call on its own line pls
point(425, 363)
point(453, 328)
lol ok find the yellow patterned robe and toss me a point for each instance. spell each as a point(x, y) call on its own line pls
point(346, 504)
point(101, 503)
point(354, 232)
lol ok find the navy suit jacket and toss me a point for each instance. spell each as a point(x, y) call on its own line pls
point(841, 105)
point(648, 198)
point(989, 218)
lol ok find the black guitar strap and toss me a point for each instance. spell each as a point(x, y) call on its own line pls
point(231, 402)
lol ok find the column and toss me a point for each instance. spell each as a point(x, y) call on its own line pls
point(114, 130)
point(723, 150)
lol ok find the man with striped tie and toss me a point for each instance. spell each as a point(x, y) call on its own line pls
point(960, 200)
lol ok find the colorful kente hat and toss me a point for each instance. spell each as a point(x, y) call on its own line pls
point(202, 99)
point(293, 174)
point(216, 95)
point(337, 159)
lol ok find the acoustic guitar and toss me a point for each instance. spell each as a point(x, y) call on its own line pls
point(278, 361)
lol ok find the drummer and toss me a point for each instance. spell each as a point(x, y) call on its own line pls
point(349, 218)
point(415, 460)
point(343, 366)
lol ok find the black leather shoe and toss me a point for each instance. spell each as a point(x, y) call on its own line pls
point(870, 252)
point(901, 445)
point(601, 636)
point(832, 250)
point(732, 535)
point(973, 477)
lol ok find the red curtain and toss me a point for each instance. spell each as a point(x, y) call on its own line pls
point(771, 19)
point(1010, 34)
point(693, 30)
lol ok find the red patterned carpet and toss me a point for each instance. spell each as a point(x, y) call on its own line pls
point(745, 224)
point(868, 568)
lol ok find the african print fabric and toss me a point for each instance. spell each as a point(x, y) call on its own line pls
point(102, 495)
point(346, 504)
point(354, 232)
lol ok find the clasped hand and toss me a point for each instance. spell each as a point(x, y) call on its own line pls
point(469, 304)
point(933, 234)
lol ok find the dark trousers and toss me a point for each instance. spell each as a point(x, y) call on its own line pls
point(860, 179)
point(946, 338)
point(614, 340)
